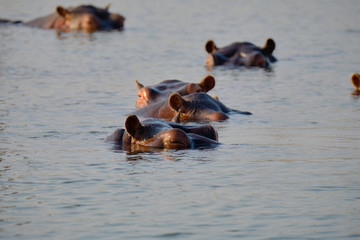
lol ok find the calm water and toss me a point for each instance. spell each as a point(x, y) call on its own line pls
point(290, 171)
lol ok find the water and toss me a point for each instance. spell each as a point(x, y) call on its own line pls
point(290, 171)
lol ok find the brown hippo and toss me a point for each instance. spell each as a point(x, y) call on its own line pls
point(85, 18)
point(164, 89)
point(155, 133)
point(355, 78)
point(196, 106)
point(240, 54)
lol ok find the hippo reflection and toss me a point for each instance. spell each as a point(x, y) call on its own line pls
point(85, 18)
point(240, 54)
point(155, 133)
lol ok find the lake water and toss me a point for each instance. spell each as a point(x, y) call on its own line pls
point(289, 171)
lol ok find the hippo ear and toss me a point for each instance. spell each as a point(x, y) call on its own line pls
point(177, 117)
point(62, 11)
point(210, 46)
point(269, 46)
point(355, 78)
point(107, 7)
point(177, 103)
point(207, 83)
point(139, 85)
point(133, 126)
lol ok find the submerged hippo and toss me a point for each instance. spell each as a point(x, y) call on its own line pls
point(85, 18)
point(196, 106)
point(240, 54)
point(161, 91)
point(355, 78)
point(155, 133)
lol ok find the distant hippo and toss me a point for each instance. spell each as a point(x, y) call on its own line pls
point(162, 91)
point(155, 133)
point(196, 107)
point(85, 18)
point(240, 54)
point(355, 78)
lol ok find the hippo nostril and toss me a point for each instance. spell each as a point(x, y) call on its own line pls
point(89, 23)
point(176, 139)
point(259, 60)
point(218, 116)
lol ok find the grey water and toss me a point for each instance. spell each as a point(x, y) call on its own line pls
point(289, 171)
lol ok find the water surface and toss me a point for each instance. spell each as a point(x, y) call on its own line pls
point(289, 171)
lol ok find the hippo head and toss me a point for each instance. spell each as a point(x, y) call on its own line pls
point(156, 134)
point(152, 94)
point(240, 54)
point(197, 107)
point(205, 85)
point(88, 18)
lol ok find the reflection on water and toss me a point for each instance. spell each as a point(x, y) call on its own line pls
point(138, 149)
point(2, 126)
point(64, 36)
point(355, 94)
point(210, 69)
point(159, 154)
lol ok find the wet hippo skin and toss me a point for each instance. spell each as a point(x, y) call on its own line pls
point(161, 91)
point(85, 18)
point(240, 54)
point(355, 78)
point(156, 133)
point(196, 106)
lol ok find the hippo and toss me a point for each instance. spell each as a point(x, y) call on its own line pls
point(196, 107)
point(155, 133)
point(240, 54)
point(161, 91)
point(355, 78)
point(85, 18)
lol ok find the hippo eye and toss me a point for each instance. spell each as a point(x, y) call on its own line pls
point(242, 54)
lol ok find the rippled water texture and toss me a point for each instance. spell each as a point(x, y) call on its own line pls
point(289, 171)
